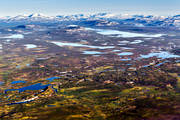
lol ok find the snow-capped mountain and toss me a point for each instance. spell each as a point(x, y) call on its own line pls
point(101, 19)
point(24, 18)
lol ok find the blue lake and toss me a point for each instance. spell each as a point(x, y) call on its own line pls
point(146, 65)
point(116, 50)
point(124, 34)
point(18, 66)
point(126, 59)
point(159, 64)
point(52, 78)
point(124, 42)
point(51, 105)
point(15, 36)
point(37, 86)
point(16, 82)
point(17, 103)
point(81, 45)
point(91, 52)
point(136, 42)
point(177, 61)
point(162, 55)
point(125, 53)
point(30, 46)
point(1, 83)
point(0, 46)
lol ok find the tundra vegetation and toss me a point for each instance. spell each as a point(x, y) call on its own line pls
point(46, 75)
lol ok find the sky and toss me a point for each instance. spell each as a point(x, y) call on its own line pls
point(66, 7)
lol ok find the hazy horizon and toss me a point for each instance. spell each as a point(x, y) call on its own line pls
point(67, 7)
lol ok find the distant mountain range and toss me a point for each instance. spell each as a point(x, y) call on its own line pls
point(101, 19)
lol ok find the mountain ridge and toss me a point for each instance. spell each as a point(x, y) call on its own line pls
point(137, 20)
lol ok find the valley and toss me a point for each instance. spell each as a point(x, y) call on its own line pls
point(89, 69)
